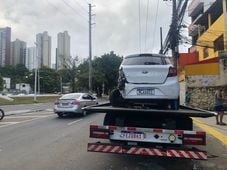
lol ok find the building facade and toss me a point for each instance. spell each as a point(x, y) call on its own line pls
point(31, 58)
point(63, 51)
point(208, 68)
point(18, 52)
point(43, 44)
point(5, 43)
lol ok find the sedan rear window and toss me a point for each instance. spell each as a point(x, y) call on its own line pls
point(70, 96)
point(143, 60)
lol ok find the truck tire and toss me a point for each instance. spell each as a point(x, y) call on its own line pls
point(174, 104)
point(109, 120)
point(185, 124)
point(116, 99)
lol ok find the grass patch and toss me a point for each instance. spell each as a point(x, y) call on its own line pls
point(28, 100)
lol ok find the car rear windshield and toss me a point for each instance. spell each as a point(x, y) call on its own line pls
point(146, 60)
point(70, 96)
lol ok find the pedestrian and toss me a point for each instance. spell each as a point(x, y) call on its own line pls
point(219, 107)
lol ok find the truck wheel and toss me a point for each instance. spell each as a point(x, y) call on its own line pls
point(109, 119)
point(116, 98)
point(174, 104)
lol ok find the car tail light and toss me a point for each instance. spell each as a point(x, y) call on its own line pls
point(196, 139)
point(56, 102)
point(172, 72)
point(121, 80)
point(76, 102)
point(99, 132)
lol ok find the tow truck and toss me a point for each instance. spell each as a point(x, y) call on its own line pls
point(148, 131)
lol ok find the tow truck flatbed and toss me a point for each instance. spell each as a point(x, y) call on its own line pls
point(183, 110)
point(148, 131)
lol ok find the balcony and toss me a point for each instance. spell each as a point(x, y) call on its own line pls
point(195, 7)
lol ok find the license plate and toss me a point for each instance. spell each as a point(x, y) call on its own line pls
point(132, 135)
point(64, 104)
point(145, 91)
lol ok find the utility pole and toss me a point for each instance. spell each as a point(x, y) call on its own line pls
point(174, 34)
point(90, 49)
point(161, 50)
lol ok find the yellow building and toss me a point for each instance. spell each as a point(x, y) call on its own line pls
point(208, 30)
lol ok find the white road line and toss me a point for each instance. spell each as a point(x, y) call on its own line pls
point(22, 116)
point(74, 122)
point(25, 121)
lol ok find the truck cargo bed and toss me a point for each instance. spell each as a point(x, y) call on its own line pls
point(183, 110)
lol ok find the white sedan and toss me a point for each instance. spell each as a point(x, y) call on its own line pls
point(73, 103)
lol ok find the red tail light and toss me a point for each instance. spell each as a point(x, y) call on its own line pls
point(172, 72)
point(197, 139)
point(97, 132)
point(56, 102)
point(76, 102)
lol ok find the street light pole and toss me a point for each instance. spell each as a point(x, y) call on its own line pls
point(35, 85)
point(36, 67)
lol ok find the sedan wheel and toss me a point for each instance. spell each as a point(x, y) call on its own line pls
point(84, 113)
point(60, 115)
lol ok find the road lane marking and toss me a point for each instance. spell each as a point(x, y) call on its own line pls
point(211, 130)
point(74, 122)
point(24, 121)
point(22, 116)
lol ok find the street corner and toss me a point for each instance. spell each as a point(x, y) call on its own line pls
point(209, 125)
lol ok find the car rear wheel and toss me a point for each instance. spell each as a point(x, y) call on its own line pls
point(84, 113)
point(60, 115)
point(116, 98)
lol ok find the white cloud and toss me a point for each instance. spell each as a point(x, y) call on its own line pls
point(117, 23)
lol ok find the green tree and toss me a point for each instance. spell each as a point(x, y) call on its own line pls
point(49, 80)
point(104, 71)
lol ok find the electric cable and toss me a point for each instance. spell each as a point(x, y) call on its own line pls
point(148, 4)
point(155, 23)
point(139, 27)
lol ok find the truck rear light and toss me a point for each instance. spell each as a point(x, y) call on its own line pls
point(56, 102)
point(196, 139)
point(172, 72)
point(97, 132)
point(76, 102)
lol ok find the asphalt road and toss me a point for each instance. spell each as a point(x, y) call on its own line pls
point(14, 109)
point(41, 141)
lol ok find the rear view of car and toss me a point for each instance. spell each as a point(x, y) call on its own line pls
point(73, 103)
point(147, 79)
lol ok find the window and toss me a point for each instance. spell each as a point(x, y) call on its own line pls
point(145, 60)
point(219, 43)
point(205, 52)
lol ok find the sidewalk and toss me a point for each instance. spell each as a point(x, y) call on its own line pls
point(209, 125)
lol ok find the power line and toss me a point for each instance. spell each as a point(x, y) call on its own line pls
point(58, 9)
point(148, 3)
point(139, 26)
point(68, 5)
point(81, 5)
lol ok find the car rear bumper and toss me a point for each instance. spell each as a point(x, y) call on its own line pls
point(169, 90)
point(74, 109)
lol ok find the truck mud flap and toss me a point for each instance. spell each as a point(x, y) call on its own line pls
point(132, 150)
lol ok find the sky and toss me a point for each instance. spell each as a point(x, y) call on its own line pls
point(122, 26)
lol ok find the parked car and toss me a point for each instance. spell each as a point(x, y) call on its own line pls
point(147, 79)
point(73, 103)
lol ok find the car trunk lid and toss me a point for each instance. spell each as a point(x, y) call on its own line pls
point(156, 74)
